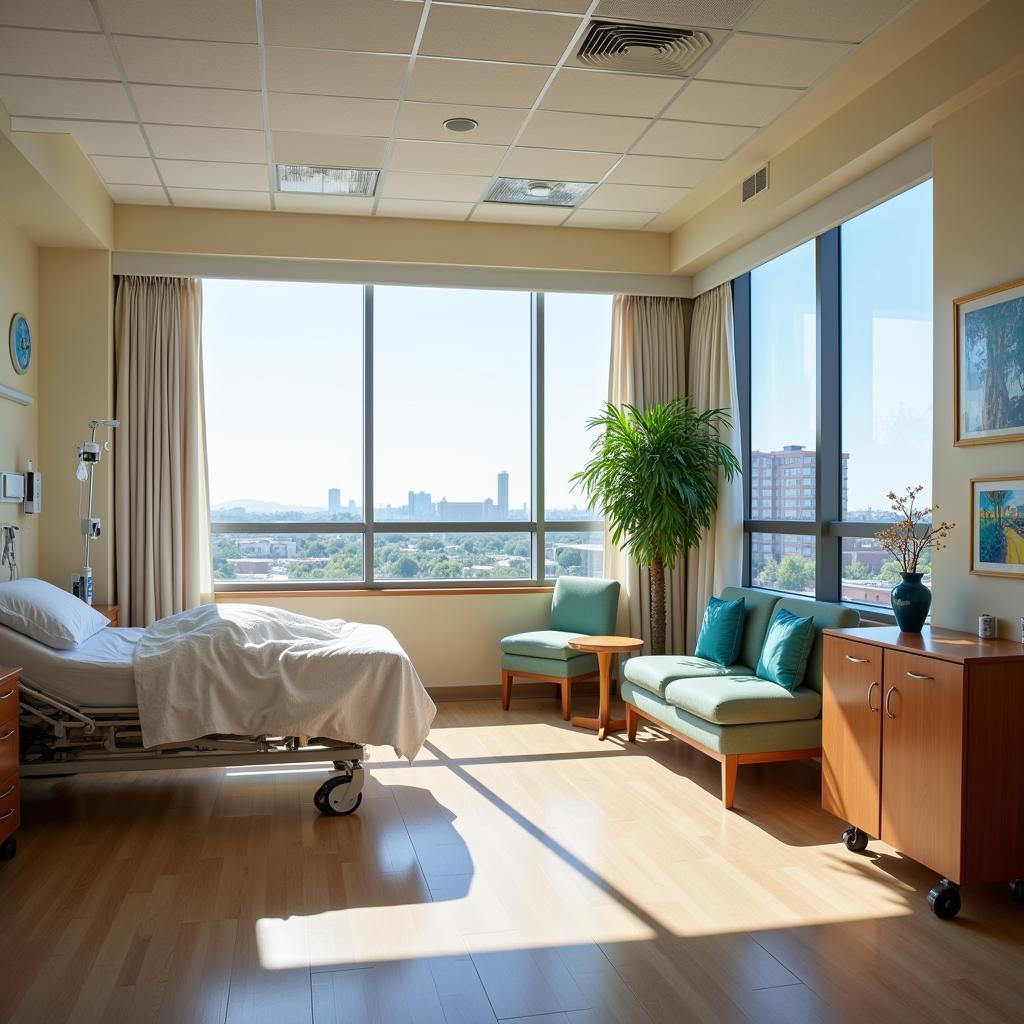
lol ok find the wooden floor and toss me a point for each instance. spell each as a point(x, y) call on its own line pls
point(519, 870)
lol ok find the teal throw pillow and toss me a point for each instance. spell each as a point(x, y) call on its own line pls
point(786, 649)
point(721, 632)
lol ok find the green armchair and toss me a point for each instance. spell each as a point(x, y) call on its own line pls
point(579, 607)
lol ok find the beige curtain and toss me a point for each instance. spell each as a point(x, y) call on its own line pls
point(161, 489)
point(648, 366)
point(718, 562)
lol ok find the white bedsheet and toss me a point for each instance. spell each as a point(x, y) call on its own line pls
point(249, 670)
point(96, 674)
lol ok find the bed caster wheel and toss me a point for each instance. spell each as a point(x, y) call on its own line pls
point(8, 848)
point(332, 798)
point(1017, 890)
point(944, 900)
point(856, 840)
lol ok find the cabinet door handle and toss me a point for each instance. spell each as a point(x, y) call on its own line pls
point(888, 699)
point(915, 675)
point(7, 696)
point(871, 686)
point(4, 796)
point(4, 817)
point(857, 661)
point(7, 735)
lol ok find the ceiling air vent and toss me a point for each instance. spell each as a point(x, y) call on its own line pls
point(754, 185)
point(330, 181)
point(641, 49)
point(537, 192)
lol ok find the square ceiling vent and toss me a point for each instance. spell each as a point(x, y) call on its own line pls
point(538, 192)
point(326, 181)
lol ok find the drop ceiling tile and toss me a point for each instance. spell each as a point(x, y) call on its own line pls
point(237, 145)
point(511, 213)
point(617, 219)
point(773, 60)
point(331, 114)
point(662, 170)
point(423, 208)
point(209, 174)
point(602, 92)
point(486, 34)
point(692, 13)
point(332, 73)
point(453, 188)
point(497, 125)
point(553, 129)
point(725, 103)
point(328, 150)
point(445, 157)
point(222, 20)
point(126, 170)
point(688, 138)
point(223, 199)
point(351, 206)
point(823, 19)
point(210, 108)
point(500, 85)
point(652, 198)
point(52, 97)
point(109, 138)
point(29, 51)
point(560, 6)
point(566, 165)
point(146, 195)
point(72, 15)
point(189, 62)
point(381, 26)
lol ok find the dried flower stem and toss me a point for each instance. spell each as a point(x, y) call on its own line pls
point(908, 538)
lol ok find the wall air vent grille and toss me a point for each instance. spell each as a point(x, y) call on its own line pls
point(754, 185)
point(535, 192)
point(641, 49)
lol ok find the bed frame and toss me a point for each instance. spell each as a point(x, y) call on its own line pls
point(61, 739)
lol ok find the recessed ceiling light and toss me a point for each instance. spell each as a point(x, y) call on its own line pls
point(536, 192)
point(460, 124)
point(539, 189)
point(331, 181)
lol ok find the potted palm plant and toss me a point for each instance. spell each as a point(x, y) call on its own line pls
point(654, 474)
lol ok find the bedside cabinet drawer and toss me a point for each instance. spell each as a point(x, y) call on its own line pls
point(9, 747)
point(10, 814)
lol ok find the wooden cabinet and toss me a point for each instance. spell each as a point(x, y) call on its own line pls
point(10, 794)
point(921, 749)
point(111, 611)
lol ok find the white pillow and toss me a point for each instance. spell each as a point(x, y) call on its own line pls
point(48, 614)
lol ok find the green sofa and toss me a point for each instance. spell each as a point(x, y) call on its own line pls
point(728, 712)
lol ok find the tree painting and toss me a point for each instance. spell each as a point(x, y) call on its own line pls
point(994, 363)
point(1001, 526)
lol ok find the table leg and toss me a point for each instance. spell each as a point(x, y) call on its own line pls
point(604, 723)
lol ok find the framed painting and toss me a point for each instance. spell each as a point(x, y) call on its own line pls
point(988, 362)
point(997, 526)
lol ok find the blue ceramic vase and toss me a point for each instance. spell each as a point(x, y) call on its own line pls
point(911, 600)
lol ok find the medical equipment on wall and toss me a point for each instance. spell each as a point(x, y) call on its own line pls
point(8, 548)
point(89, 454)
point(25, 487)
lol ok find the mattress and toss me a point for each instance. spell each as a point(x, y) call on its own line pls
point(97, 673)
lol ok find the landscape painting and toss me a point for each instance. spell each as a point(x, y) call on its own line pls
point(997, 527)
point(989, 330)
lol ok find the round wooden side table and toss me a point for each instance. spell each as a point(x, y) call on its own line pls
point(605, 647)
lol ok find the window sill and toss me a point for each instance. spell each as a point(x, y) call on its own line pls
point(265, 592)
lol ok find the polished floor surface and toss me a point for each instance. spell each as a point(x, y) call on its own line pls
point(519, 871)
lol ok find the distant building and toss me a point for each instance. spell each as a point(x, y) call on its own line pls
point(503, 494)
point(591, 559)
point(466, 511)
point(333, 501)
point(421, 505)
point(265, 547)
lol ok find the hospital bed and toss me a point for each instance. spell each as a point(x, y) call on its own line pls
point(79, 714)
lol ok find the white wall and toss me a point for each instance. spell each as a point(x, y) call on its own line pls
point(978, 156)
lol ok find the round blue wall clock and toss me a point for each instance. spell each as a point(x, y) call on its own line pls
point(21, 343)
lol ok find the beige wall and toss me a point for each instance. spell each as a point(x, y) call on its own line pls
point(979, 226)
point(18, 423)
point(76, 386)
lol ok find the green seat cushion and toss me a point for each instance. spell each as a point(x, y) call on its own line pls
point(742, 700)
point(786, 649)
point(585, 664)
point(542, 643)
point(826, 616)
point(721, 632)
point(655, 672)
point(582, 606)
point(757, 607)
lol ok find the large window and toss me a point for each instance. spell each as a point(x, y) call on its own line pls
point(395, 436)
point(834, 342)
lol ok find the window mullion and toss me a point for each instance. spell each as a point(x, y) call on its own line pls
point(829, 490)
point(537, 431)
point(741, 341)
point(368, 516)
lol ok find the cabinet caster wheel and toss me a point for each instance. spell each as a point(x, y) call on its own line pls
point(856, 840)
point(333, 798)
point(1017, 890)
point(8, 848)
point(944, 900)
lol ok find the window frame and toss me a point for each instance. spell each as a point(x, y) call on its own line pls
point(828, 526)
point(536, 527)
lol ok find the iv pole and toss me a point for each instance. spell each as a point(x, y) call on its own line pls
point(89, 453)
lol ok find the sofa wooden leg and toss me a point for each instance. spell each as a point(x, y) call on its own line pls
point(566, 699)
point(506, 689)
point(632, 721)
point(730, 766)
